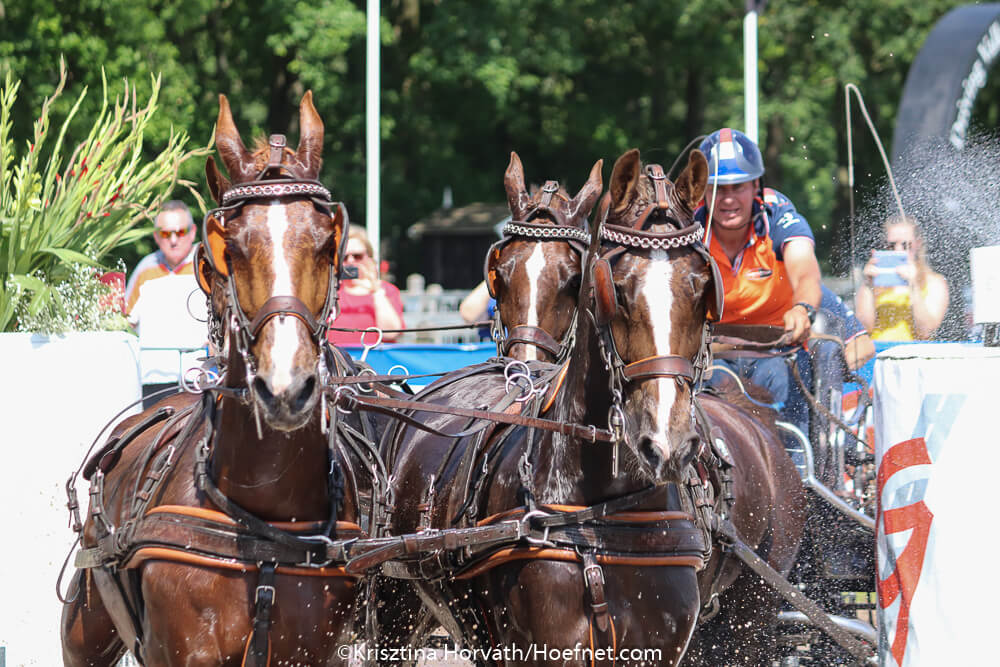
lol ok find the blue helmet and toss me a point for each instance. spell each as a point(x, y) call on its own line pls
point(732, 157)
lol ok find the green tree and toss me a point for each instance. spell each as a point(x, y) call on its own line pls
point(563, 82)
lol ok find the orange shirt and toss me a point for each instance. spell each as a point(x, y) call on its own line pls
point(758, 290)
point(756, 284)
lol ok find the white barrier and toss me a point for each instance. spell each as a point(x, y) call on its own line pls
point(938, 454)
point(55, 395)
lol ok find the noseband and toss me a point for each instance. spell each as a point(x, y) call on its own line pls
point(575, 236)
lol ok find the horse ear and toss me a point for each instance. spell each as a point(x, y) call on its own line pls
point(217, 183)
point(624, 178)
point(513, 182)
point(691, 184)
point(310, 150)
point(585, 199)
point(235, 156)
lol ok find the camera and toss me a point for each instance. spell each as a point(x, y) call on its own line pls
point(887, 261)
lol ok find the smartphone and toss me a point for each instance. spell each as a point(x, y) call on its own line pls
point(886, 261)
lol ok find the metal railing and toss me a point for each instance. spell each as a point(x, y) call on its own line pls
point(433, 307)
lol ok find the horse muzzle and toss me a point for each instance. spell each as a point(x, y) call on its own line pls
point(663, 459)
point(290, 407)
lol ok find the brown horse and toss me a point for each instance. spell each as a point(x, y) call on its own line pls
point(768, 504)
point(617, 570)
point(542, 253)
point(215, 525)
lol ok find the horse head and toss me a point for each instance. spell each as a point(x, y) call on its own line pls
point(270, 262)
point(536, 281)
point(652, 287)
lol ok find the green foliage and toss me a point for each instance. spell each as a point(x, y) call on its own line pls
point(77, 302)
point(563, 82)
point(57, 213)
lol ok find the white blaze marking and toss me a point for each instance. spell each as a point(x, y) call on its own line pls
point(659, 299)
point(534, 267)
point(286, 340)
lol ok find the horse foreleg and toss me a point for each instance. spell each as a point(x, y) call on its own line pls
point(89, 637)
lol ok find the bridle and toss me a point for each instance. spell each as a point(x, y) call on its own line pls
point(274, 181)
point(575, 235)
point(617, 240)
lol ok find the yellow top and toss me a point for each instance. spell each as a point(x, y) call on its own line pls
point(894, 314)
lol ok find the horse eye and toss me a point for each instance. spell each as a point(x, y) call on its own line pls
point(573, 284)
point(234, 249)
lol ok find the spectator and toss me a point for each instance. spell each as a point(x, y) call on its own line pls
point(365, 301)
point(157, 302)
point(477, 306)
point(764, 249)
point(913, 310)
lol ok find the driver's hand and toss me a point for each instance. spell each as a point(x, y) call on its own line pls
point(797, 323)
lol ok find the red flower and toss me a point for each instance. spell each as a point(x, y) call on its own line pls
point(116, 300)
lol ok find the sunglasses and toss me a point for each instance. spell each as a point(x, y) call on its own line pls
point(355, 256)
point(166, 233)
point(898, 245)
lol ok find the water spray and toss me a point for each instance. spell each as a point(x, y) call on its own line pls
point(848, 89)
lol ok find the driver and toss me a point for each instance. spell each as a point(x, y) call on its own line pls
point(765, 252)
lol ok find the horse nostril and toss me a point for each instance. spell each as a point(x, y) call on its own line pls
point(262, 390)
point(302, 399)
point(691, 445)
point(648, 449)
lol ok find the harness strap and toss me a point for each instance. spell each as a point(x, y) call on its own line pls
point(600, 510)
point(391, 407)
point(435, 540)
point(613, 644)
point(549, 189)
point(532, 335)
point(258, 651)
point(566, 555)
point(593, 577)
point(107, 456)
point(279, 306)
point(657, 367)
point(660, 183)
point(315, 551)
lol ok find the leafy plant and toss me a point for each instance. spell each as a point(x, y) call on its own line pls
point(54, 218)
point(82, 301)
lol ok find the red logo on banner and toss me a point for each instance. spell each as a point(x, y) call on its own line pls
point(902, 582)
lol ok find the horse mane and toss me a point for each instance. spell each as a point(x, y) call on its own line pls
point(535, 188)
point(644, 196)
point(261, 152)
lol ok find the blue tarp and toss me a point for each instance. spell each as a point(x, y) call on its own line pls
point(423, 358)
point(420, 358)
